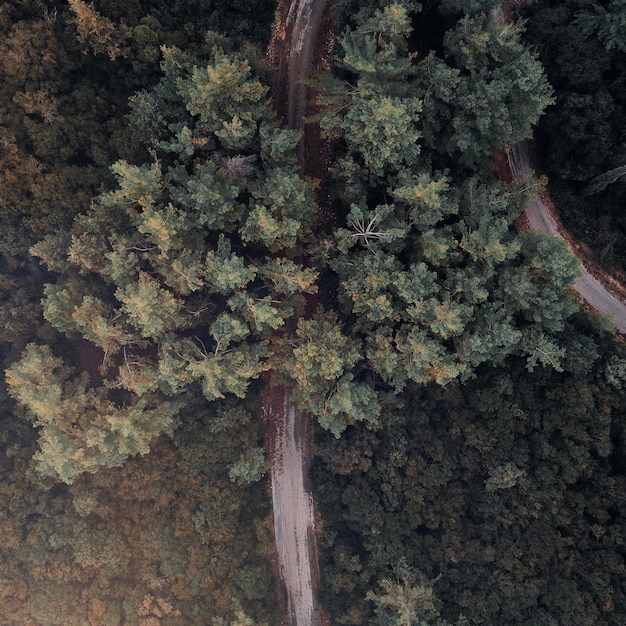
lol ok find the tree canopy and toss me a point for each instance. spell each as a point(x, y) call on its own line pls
point(180, 272)
point(183, 271)
point(163, 250)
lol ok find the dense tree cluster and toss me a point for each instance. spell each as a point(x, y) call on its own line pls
point(432, 274)
point(170, 538)
point(64, 104)
point(171, 273)
point(497, 501)
point(67, 72)
point(471, 451)
point(156, 542)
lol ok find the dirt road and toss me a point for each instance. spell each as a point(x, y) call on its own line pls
point(303, 20)
point(292, 508)
point(589, 288)
point(298, 36)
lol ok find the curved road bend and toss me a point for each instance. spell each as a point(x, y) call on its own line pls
point(290, 431)
point(589, 288)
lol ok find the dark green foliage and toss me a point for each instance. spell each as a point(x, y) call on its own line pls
point(192, 266)
point(499, 89)
point(581, 45)
point(432, 273)
point(168, 275)
point(473, 292)
point(504, 499)
point(469, 503)
point(469, 7)
point(322, 362)
point(478, 91)
point(63, 99)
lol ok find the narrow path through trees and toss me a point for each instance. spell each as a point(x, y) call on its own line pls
point(292, 506)
point(592, 291)
point(290, 429)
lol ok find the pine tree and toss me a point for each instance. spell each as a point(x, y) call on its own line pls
point(173, 272)
point(81, 429)
point(95, 31)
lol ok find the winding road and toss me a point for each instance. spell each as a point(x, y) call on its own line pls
point(588, 288)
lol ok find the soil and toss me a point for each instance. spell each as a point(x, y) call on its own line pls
point(295, 57)
point(293, 510)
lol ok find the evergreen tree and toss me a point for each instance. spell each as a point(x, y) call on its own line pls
point(171, 273)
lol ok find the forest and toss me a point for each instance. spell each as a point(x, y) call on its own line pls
point(162, 251)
